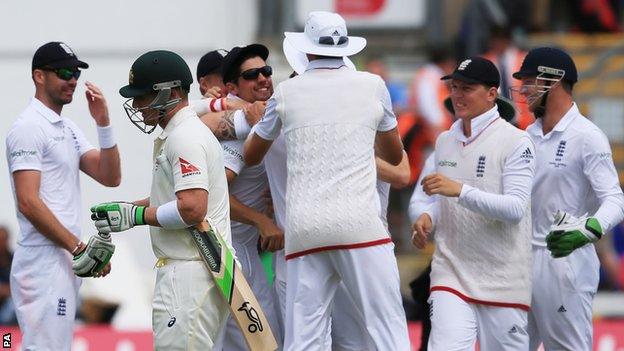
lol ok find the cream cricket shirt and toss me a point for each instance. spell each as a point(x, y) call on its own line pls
point(41, 140)
point(574, 173)
point(188, 156)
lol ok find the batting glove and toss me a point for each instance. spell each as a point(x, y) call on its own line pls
point(568, 233)
point(94, 257)
point(117, 216)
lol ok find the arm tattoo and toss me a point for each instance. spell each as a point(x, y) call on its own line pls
point(225, 129)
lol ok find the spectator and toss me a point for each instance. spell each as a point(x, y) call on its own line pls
point(397, 90)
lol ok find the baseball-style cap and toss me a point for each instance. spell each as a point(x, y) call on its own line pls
point(547, 57)
point(234, 58)
point(476, 70)
point(210, 63)
point(56, 54)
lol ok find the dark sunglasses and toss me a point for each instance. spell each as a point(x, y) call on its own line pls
point(65, 73)
point(253, 73)
point(329, 40)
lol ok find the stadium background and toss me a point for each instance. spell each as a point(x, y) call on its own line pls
point(110, 35)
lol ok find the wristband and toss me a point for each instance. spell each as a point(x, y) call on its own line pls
point(241, 127)
point(139, 215)
point(105, 137)
point(168, 216)
point(217, 105)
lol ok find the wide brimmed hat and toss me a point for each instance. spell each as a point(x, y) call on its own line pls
point(298, 61)
point(325, 34)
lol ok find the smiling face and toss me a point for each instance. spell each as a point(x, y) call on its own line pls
point(57, 91)
point(258, 89)
point(471, 100)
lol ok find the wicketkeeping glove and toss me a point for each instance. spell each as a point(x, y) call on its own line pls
point(94, 257)
point(568, 233)
point(117, 216)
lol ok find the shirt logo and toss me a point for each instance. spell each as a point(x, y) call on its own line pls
point(481, 166)
point(559, 155)
point(188, 168)
point(67, 49)
point(527, 155)
point(464, 64)
point(61, 308)
point(22, 153)
point(447, 163)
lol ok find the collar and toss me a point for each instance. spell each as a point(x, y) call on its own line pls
point(182, 115)
point(45, 111)
point(535, 129)
point(477, 125)
point(332, 63)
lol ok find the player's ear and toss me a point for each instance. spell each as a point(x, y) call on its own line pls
point(38, 76)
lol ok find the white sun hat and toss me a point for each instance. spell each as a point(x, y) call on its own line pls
point(325, 34)
point(298, 61)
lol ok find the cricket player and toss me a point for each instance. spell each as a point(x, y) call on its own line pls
point(331, 117)
point(576, 198)
point(45, 152)
point(480, 278)
point(188, 187)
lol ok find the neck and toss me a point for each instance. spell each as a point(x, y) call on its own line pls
point(555, 110)
point(46, 101)
point(165, 120)
point(467, 122)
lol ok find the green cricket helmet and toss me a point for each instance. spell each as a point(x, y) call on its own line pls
point(157, 72)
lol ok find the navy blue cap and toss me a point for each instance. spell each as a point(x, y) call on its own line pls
point(210, 63)
point(547, 57)
point(56, 54)
point(476, 70)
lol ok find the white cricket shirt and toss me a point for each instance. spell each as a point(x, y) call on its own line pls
point(574, 173)
point(41, 140)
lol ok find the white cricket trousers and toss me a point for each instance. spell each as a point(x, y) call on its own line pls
point(371, 278)
point(188, 310)
point(256, 277)
point(44, 290)
point(456, 325)
point(563, 293)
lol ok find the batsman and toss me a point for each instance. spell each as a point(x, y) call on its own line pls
point(188, 187)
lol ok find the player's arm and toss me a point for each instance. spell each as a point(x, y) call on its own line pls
point(29, 204)
point(261, 137)
point(388, 143)
point(234, 124)
point(398, 176)
point(510, 206)
point(272, 237)
point(102, 165)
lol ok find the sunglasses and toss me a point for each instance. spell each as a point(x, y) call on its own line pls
point(65, 73)
point(253, 73)
point(329, 40)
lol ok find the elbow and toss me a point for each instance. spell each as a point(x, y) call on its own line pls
point(193, 215)
point(25, 206)
point(113, 182)
point(517, 214)
point(250, 159)
point(402, 180)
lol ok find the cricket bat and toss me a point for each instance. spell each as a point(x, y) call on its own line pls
point(234, 288)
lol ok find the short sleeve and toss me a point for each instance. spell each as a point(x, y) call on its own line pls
point(189, 161)
point(233, 155)
point(388, 121)
point(84, 145)
point(25, 146)
point(270, 125)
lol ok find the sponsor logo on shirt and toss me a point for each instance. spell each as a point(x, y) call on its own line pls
point(61, 308)
point(446, 163)
point(527, 155)
point(22, 153)
point(481, 166)
point(604, 155)
point(187, 168)
point(232, 152)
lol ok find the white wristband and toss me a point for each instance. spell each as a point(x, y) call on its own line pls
point(105, 137)
point(241, 127)
point(168, 216)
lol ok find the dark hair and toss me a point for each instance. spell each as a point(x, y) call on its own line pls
point(237, 69)
point(567, 86)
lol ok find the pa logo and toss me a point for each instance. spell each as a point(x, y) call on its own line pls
point(6, 341)
point(254, 319)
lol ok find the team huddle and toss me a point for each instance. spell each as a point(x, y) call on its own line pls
point(303, 170)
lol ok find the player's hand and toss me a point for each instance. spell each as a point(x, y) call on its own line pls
point(568, 233)
point(271, 236)
point(437, 183)
point(94, 259)
point(421, 230)
point(214, 92)
point(117, 216)
point(97, 104)
point(235, 104)
point(254, 112)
